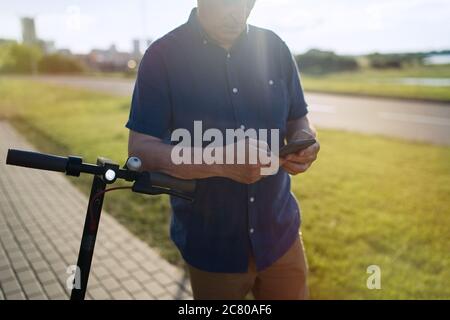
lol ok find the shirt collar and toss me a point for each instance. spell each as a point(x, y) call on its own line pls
point(198, 29)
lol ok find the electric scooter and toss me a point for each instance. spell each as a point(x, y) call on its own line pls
point(105, 172)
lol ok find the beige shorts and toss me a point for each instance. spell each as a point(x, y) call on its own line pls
point(286, 279)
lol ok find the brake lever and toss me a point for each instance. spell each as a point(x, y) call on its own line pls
point(143, 185)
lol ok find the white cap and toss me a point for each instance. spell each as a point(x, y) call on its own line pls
point(134, 164)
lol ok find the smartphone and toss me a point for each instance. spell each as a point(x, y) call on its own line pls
point(296, 146)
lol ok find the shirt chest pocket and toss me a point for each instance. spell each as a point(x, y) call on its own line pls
point(276, 103)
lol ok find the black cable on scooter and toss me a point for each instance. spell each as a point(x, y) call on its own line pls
point(92, 225)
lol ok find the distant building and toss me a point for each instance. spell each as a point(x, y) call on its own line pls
point(28, 31)
point(64, 52)
point(137, 49)
point(110, 60)
point(29, 36)
point(48, 46)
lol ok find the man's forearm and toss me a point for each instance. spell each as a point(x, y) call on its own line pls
point(157, 157)
point(296, 129)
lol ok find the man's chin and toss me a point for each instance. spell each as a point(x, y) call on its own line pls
point(230, 35)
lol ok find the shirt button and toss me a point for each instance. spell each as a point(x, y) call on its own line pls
point(252, 230)
point(205, 41)
point(228, 56)
point(252, 199)
point(235, 90)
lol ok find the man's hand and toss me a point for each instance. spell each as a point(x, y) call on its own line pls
point(299, 162)
point(246, 173)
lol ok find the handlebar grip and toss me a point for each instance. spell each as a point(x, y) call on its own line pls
point(36, 160)
point(165, 181)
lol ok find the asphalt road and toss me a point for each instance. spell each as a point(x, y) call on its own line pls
point(411, 120)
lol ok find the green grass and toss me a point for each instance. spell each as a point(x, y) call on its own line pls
point(368, 201)
point(367, 82)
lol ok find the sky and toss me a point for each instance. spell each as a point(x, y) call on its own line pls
point(343, 26)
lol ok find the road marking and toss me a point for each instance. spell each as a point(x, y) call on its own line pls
point(323, 108)
point(415, 118)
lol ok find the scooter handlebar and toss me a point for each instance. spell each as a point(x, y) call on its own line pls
point(50, 162)
point(36, 160)
point(168, 182)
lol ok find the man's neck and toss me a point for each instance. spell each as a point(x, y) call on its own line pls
point(227, 46)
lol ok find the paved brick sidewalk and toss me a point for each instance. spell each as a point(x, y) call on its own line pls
point(41, 221)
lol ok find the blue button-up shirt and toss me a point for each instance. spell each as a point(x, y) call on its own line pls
point(186, 77)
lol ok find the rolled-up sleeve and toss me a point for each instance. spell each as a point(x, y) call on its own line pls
point(298, 107)
point(151, 110)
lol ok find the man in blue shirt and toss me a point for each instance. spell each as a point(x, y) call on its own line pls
point(241, 233)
